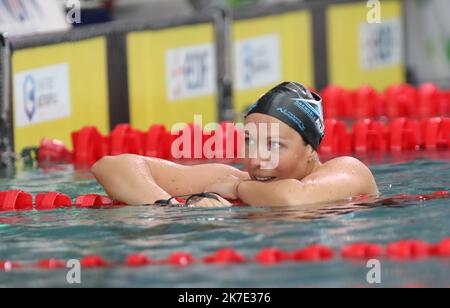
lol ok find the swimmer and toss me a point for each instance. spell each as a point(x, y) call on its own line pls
point(298, 177)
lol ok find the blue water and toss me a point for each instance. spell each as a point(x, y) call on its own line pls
point(115, 233)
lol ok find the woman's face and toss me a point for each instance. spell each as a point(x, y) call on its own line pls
point(274, 151)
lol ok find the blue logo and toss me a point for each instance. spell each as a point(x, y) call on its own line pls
point(293, 118)
point(29, 96)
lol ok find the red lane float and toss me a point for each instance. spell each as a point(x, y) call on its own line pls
point(154, 141)
point(125, 139)
point(53, 152)
point(225, 256)
point(52, 200)
point(94, 261)
point(428, 100)
point(51, 264)
point(408, 250)
point(313, 253)
point(404, 135)
point(367, 103)
point(137, 260)
point(9, 266)
point(441, 249)
point(180, 259)
point(15, 200)
point(272, 256)
point(362, 251)
point(399, 101)
point(89, 145)
point(337, 138)
point(369, 136)
point(92, 200)
point(436, 133)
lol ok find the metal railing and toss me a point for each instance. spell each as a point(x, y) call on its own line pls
point(6, 142)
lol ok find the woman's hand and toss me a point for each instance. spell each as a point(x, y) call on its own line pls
point(209, 202)
point(225, 186)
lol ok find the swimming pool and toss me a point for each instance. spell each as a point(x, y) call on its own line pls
point(115, 233)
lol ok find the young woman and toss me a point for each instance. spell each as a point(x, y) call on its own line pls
point(292, 175)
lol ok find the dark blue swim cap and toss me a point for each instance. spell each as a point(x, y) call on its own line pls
point(293, 104)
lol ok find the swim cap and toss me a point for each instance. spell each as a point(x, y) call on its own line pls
point(293, 104)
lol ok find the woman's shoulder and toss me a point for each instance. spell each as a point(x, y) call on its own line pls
point(345, 161)
point(353, 168)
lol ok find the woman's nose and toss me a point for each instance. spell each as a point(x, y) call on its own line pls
point(255, 163)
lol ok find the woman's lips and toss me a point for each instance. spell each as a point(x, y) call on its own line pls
point(263, 178)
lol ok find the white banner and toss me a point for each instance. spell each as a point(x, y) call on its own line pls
point(19, 17)
point(381, 44)
point(190, 72)
point(42, 95)
point(258, 62)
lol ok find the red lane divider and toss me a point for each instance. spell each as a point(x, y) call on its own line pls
point(17, 200)
point(365, 136)
point(400, 100)
point(400, 251)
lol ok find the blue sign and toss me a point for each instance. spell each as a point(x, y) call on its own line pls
point(29, 96)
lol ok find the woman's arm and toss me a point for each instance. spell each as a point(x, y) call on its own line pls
point(345, 179)
point(142, 180)
point(324, 186)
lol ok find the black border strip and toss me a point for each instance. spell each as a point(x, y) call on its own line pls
point(320, 47)
point(119, 104)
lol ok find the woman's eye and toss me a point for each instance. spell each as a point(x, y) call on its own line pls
point(275, 145)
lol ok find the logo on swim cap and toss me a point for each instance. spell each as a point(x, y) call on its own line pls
point(292, 117)
point(313, 109)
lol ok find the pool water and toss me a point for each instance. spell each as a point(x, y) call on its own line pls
point(117, 232)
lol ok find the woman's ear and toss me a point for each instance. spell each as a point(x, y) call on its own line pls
point(309, 152)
